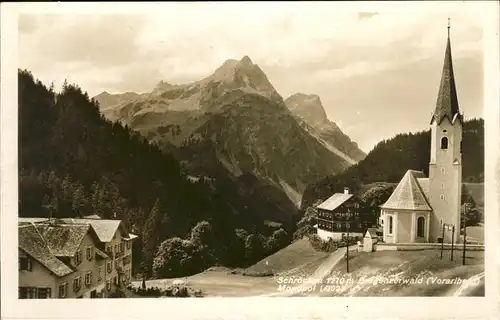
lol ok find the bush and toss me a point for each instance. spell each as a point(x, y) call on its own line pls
point(332, 244)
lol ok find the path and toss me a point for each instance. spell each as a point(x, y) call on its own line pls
point(319, 275)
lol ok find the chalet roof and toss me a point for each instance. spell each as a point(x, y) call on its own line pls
point(63, 240)
point(33, 244)
point(447, 101)
point(334, 201)
point(409, 195)
point(32, 219)
point(93, 216)
point(105, 229)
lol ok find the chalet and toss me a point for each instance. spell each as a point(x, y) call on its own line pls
point(339, 215)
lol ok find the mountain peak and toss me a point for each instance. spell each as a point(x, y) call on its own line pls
point(308, 107)
point(246, 61)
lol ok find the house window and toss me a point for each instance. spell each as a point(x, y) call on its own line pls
point(390, 224)
point(77, 284)
point(108, 284)
point(25, 264)
point(122, 246)
point(44, 293)
point(88, 278)
point(460, 146)
point(99, 275)
point(128, 244)
point(444, 143)
point(63, 290)
point(78, 257)
point(27, 293)
point(109, 267)
point(441, 197)
point(421, 227)
point(89, 253)
point(116, 248)
point(356, 205)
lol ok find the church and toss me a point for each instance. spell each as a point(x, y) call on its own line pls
point(424, 209)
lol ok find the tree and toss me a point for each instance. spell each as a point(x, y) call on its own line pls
point(278, 240)
point(254, 247)
point(150, 236)
point(201, 234)
point(306, 225)
point(371, 200)
point(173, 258)
point(470, 214)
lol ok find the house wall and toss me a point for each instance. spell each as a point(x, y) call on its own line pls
point(120, 260)
point(85, 266)
point(39, 276)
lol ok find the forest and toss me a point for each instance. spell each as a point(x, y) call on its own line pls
point(73, 162)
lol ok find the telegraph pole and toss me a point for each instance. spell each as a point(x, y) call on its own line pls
point(452, 238)
point(347, 252)
point(465, 241)
point(442, 242)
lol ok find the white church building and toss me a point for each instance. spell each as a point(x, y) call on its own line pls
point(420, 206)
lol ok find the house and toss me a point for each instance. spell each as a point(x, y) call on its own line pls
point(423, 209)
point(58, 260)
point(116, 242)
point(337, 216)
point(73, 258)
point(371, 238)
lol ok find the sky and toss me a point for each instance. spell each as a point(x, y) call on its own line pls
point(376, 70)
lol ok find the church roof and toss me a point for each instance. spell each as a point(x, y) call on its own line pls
point(334, 201)
point(447, 101)
point(409, 194)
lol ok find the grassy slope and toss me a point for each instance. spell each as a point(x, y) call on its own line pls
point(403, 264)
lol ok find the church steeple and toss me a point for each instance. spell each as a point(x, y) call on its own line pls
point(447, 101)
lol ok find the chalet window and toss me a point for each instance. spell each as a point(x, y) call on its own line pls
point(63, 290)
point(108, 284)
point(116, 248)
point(77, 284)
point(99, 275)
point(390, 224)
point(109, 267)
point(461, 146)
point(129, 244)
point(122, 246)
point(25, 264)
point(444, 143)
point(44, 293)
point(89, 253)
point(356, 205)
point(421, 227)
point(88, 278)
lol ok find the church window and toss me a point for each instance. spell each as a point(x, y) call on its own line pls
point(442, 185)
point(420, 227)
point(444, 143)
point(390, 224)
point(441, 197)
point(444, 130)
point(442, 170)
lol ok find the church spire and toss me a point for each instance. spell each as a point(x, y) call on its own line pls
point(447, 101)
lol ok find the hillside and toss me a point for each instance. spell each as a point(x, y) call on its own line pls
point(237, 118)
point(74, 162)
point(391, 158)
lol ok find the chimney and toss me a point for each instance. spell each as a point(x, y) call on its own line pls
point(346, 190)
point(114, 215)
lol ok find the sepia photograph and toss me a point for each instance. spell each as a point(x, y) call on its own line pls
point(249, 150)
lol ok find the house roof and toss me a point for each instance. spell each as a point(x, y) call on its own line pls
point(372, 232)
point(447, 101)
point(409, 195)
point(63, 239)
point(334, 201)
point(105, 229)
point(33, 244)
point(31, 219)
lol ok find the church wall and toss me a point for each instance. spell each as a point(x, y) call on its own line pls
point(445, 178)
point(404, 226)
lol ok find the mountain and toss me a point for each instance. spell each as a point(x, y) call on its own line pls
point(391, 158)
point(310, 112)
point(236, 118)
point(73, 162)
